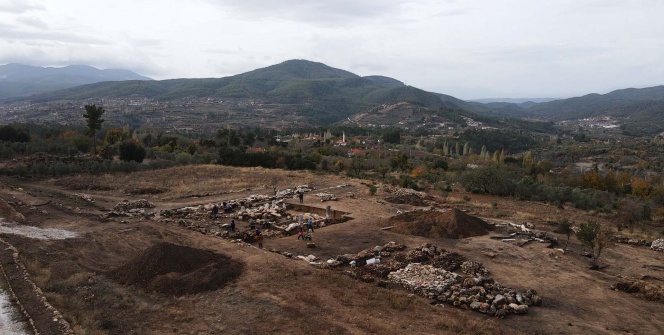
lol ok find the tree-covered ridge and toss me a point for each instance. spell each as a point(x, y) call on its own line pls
point(310, 89)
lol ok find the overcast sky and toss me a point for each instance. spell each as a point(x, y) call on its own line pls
point(465, 48)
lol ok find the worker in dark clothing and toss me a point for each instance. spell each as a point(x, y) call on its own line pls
point(259, 238)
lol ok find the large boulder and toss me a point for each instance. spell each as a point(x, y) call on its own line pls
point(657, 245)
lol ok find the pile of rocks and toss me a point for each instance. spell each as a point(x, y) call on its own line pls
point(290, 192)
point(85, 197)
point(131, 208)
point(524, 233)
point(266, 212)
point(397, 191)
point(627, 240)
point(658, 245)
point(479, 294)
point(474, 268)
point(127, 205)
point(428, 270)
point(326, 196)
point(189, 213)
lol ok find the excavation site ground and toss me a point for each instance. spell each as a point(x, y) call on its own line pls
point(142, 253)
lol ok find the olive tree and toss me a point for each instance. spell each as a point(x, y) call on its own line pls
point(592, 235)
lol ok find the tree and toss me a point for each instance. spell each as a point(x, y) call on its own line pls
point(383, 170)
point(565, 227)
point(132, 151)
point(274, 182)
point(392, 135)
point(592, 235)
point(116, 135)
point(357, 166)
point(93, 115)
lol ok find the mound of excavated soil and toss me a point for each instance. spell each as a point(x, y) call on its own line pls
point(178, 270)
point(451, 224)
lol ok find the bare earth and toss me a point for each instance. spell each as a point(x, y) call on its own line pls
point(279, 295)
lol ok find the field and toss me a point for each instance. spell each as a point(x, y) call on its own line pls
point(101, 279)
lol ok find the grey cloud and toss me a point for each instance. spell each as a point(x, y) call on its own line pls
point(313, 12)
point(33, 22)
point(19, 6)
point(11, 32)
point(367, 67)
point(534, 53)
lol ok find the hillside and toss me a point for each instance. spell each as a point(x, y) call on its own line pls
point(312, 90)
point(641, 108)
point(22, 80)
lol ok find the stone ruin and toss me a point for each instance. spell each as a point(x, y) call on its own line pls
point(631, 241)
point(430, 271)
point(522, 234)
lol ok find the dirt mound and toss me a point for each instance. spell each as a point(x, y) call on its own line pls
point(451, 224)
point(178, 270)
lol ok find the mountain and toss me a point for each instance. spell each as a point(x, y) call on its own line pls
point(385, 81)
point(642, 109)
point(22, 80)
point(310, 89)
point(517, 101)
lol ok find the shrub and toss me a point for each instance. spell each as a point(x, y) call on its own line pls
point(132, 151)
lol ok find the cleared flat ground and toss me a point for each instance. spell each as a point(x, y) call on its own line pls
point(275, 294)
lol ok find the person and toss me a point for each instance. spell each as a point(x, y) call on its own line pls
point(259, 238)
point(310, 234)
point(215, 211)
point(233, 225)
point(300, 233)
point(301, 196)
point(310, 224)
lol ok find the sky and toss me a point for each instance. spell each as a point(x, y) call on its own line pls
point(465, 48)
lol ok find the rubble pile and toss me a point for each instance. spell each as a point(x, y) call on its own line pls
point(129, 205)
point(450, 261)
point(522, 234)
point(290, 192)
point(407, 196)
point(183, 213)
point(627, 240)
point(383, 269)
point(266, 212)
point(326, 196)
point(428, 271)
point(474, 268)
point(84, 197)
point(479, 294)
point(640, 288)
point(130, 209)
point(658, 245)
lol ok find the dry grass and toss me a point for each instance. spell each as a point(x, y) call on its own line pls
point(184, 181)
point(39, 274)
point(466, 325)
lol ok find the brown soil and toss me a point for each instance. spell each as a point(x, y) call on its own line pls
point(452, 223)
point(279, 295)
point(178, 270)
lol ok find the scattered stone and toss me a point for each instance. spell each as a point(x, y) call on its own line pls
point(657, 245)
